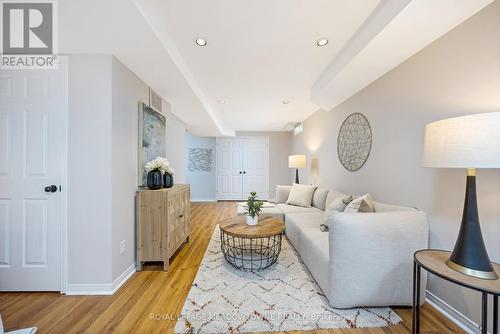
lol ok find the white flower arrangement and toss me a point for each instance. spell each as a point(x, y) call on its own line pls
point(159, 164)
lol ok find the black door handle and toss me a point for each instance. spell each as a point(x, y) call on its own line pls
point(241, 172)
point(51, 189)
point(244, 172)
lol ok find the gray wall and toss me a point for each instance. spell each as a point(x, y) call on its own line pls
point(89, 153)
point(127, 91)
point(202, 183)
point(279, 150)
point(176, 143)
point(103, 139)
point(458, 74)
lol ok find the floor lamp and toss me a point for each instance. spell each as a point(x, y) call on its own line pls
point(296, 161)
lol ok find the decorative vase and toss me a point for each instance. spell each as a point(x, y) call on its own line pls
point(252, 221)
point(168, 180)
point(155, 180)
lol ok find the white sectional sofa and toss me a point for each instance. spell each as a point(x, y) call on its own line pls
point(365, 259)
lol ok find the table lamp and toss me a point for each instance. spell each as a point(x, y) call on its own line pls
point(467, 142)
point(296, 161)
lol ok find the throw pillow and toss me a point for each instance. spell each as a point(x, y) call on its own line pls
point(301, 195)
point(319, 198)
point(361, 204)
point(282, 193)
point(339, 204)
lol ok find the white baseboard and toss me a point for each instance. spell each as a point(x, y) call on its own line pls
point(203, 200)
point(458, 318)
point(101, 289)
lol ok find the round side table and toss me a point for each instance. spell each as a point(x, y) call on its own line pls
point(251, 248)
point(434, 262)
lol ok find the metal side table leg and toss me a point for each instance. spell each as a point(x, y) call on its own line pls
point(495, 314)
point(484, 313)
point(416, 299)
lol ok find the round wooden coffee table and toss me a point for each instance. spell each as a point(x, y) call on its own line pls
point(251, 248)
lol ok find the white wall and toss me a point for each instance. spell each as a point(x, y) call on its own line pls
point(280, 147)
point(459, 74)
point(202, 184)
point(103, 147)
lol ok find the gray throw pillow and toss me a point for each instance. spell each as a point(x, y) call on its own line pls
point(339, 204)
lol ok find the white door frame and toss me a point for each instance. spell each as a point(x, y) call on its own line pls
point(242, 137)
point(64, 181)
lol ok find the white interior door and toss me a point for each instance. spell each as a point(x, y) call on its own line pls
point(256, 167)
point(229, 171)
point(33, 126)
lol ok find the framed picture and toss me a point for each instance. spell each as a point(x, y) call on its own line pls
point(152, 138)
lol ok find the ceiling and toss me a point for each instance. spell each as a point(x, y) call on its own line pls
point(259, 52)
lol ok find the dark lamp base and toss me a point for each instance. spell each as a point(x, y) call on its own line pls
point(469, 255)
point(471, 272)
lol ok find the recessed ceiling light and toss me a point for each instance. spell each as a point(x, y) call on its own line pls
point(286, 101)
point(322, 42)
point(201, 42)
point(222, 101)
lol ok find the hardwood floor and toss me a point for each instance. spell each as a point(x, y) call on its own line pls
point(153, 294)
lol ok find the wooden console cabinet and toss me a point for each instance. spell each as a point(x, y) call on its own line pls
point(162, 223)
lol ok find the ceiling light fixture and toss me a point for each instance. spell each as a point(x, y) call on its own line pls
point(201, 42)
point(286, 101)
point(322, 42)
point(222, 101)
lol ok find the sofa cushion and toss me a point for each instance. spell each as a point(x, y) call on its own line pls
point(286, 209)
point(361, 204)
point(315, 253)
point(282, 193)
point(382, 207)
point(319, 198)
point(295, 222)
point(301, 195)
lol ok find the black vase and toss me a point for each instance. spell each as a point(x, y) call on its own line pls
point(155, 180)
point(168, 180)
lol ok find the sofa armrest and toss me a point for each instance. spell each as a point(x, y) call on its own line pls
point(371, 257)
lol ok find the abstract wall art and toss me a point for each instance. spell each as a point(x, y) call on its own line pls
point(152, 138)
point(200, 159)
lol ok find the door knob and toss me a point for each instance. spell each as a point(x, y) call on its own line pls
point(241, 172)
point(244, 172)
point(51, 189)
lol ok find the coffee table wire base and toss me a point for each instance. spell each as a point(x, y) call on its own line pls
point(251, 254)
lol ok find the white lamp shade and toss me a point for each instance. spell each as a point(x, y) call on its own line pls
point(463, 142)
point(296, 161)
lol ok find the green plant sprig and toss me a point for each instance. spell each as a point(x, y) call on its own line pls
point(253, 205)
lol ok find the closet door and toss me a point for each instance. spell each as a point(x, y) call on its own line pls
point(255, 165)
point(229, 169)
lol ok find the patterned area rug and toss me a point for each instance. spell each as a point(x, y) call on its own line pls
point(283, 297)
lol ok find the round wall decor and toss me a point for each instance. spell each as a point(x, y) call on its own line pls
point(354, 142)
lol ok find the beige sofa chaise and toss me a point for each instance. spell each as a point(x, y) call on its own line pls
point(365, 259)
